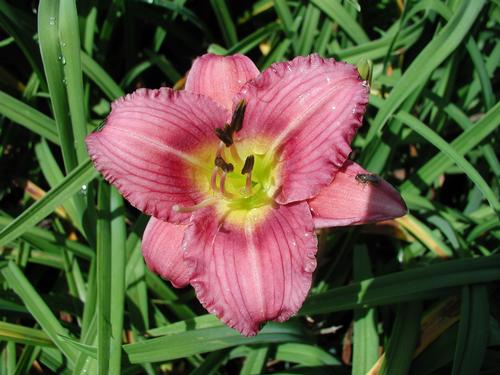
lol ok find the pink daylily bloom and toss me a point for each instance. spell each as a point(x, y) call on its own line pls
point(237, 171)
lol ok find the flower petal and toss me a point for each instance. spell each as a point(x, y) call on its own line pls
point(220, 77)
point(249, 274)
point(161, 248)
point(151, 148)
point(309, 109)
point(347, 201)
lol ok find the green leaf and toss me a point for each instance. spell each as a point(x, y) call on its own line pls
point(334, 10)
point(462, 144)
point(100, 77)
point(473, 330)
point(71, 184)
point(365, 336)
point(24, 335)
point(428, 60)
point(205, 340)
point(103, 257)
point(403, 340)
point(37, 307)
point(48, 38)
point(226, 24)
point(117, 285)
point(447, 149)
point(28, 117)
point(69, 40)
point(414, 284)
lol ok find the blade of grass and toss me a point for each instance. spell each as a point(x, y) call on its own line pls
point(473, 330)
point(448, 150)
point(403, 339)
point(69, 40)
point(24, 335)
point(48, 38)
point(100, 77)
point(253, 40)
point(10, 22)
point(37, 307)
point(365, 336)
point(304, 354)
point(427, 61)
point(201, 341)
point(285, 16)
point(28, 117)
point(103, 256)
point(462, 144)
point(255, 361)
point(404, 286)
point(225, 21)
point(38, 236)
point(118, 255)
point(54, 198)
point(309, 30)
point(334, 10)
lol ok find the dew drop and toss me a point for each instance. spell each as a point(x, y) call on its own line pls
point(52, 21)
point(63, 61)
point(64, 81)
point(310, 266)
point(83, 190)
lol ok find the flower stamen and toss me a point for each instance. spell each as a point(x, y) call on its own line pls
point(247, 169)
point(187, 209)
point(223, 190)
point(234, 153)
point(213, 178)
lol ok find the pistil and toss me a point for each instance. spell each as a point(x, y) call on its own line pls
point(213, 178)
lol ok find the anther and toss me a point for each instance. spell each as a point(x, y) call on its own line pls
point(248, 166)
point(237, 119)
point(225, 135)
point(221, 163)
point(247, 169)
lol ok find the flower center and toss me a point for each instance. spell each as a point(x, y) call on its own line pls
point(242, 177)
point(242, 182)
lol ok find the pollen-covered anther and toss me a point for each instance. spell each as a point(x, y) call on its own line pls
point(247, 169)
point(237, 119)
point(225, 135)
point(223, 165)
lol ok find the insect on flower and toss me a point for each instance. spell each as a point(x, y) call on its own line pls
point(237, 171)
point(367, 178)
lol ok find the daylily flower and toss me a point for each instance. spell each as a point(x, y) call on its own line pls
point(237, 171)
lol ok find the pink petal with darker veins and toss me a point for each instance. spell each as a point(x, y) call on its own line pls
point(248, 276)
point(220, 77)
point(161, 248)
point(309, 109)
point(347, 201)
point(146, 148)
